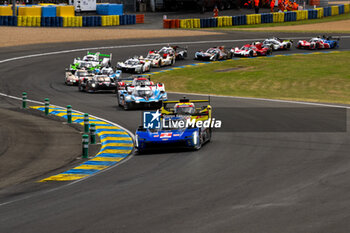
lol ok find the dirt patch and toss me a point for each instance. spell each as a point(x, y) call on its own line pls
point(336, 26)
point(11, 36)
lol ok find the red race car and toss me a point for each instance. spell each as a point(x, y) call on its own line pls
point(318, 43)
point(251, 50)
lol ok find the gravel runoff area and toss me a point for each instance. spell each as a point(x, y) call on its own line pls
point(13, 36)
point(32, 145)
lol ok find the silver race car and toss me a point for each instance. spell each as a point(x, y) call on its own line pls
point(135, 65)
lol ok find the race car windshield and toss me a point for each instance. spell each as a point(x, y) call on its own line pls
point(106, 71)
point(144, 93)
point(82, 73)
point(85, 64)
point(245, 48)
point(211, 51)
point(132, 63)
point(184, 110)
point(142, 82)
point(103, 79)
point(90, 59)
point(152, 56)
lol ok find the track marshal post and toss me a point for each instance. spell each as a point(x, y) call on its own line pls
point(85, 142)
point(92, 133)
point(24, 100)
point(69, 114)
point(47, 106)
point(86, 123)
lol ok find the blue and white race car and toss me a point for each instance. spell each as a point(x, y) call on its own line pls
point(177, 128)
point(319, 43)
point(140, 92)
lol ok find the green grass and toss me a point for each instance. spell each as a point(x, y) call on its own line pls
point(314, 77)
point(310, 21)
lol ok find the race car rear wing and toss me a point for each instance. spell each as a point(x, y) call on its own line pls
point(186, 100)
point(200, 110)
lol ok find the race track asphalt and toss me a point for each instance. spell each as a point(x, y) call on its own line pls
point(240, 182)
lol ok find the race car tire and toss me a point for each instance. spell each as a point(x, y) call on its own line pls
point(200, 142)
point(80, 88)
point(118, 100)
point(127, 106)
point(312, 46)
point(289, 45)
point(268, 52)
point(251, 53)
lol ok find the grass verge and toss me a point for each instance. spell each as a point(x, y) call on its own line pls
point(314, 78)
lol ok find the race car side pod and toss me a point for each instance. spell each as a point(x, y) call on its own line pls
point(24, 100)
point(86, 123)
point(85, 148)
point(47, 106)
point(69, 114)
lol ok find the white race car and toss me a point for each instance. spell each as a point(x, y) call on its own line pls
point(73, 77)
point(135, 65)
point(277, 44)
point(95, 60)
point(163, 57)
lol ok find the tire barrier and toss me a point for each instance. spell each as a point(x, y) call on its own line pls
point(65, 11)
point(109, 20)
point(140, 18)
point(48, 11)
point(266, 18)
point(109, 9)
point(302, 15)
point(254, 19)
point(275, 17)
point(278, 17)
point(8, 20)
point(5, 11)
point(290, 16)
point(335, 10)
point(29, 11)
point(74, 21)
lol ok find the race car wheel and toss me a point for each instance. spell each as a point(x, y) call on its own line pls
point(312, 46)
point(197, 140)
point(118, 100)
point(268, 52)
point(80, 88)
point(127, 106)
point(251, 53)
point(141, 70)
point(289, 45)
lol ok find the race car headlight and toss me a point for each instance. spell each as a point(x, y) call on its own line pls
point(195, 137)
point(137, 141)
point(93, 85)
point(164, 96)
point(128, 97)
